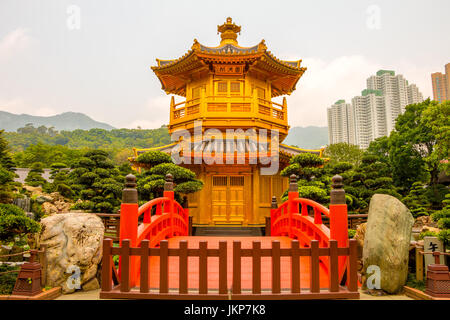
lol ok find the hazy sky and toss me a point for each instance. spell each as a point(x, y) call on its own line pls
point(51, 64)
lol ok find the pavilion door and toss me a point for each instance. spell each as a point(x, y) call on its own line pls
point(228, 199)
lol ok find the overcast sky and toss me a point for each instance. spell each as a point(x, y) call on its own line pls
point(99, 64)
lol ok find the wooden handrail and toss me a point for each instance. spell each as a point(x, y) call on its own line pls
point(149, 205)
point(313, 204)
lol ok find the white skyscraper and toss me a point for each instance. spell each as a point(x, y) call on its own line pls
point(370, 116)
point(414, 95)
point(341, 125)
point(373, 114)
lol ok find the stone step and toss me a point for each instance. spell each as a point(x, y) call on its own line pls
point(228, 231)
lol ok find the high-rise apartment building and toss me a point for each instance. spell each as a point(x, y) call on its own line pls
point(441, 84)
point(369, 111)
point(341, 124)
point(373, 114)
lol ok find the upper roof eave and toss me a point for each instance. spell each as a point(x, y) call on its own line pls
point(227, 50)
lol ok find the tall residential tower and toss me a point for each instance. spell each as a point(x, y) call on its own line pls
point(341, 125)
point(373, 114)
point(441, 84)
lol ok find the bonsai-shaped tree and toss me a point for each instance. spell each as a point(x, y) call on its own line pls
point(442, 218)
point(150, 184)
point(59, 174)
point(14, 222)
point(6, 185)
point(97, 182)
point(311, 181)
point(34, 177)
point(372, 176)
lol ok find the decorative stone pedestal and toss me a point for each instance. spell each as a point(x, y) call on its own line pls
point(28, 281)
point(438, 281)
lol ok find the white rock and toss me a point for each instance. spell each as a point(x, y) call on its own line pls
point(74, 240)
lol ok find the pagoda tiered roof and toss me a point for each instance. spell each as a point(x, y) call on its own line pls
point(258, 61)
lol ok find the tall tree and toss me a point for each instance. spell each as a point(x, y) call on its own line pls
point(412, 145)
point(5, 157)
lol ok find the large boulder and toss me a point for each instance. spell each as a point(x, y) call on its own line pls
point(386, 241)
point(359, 237)
point(74, 243)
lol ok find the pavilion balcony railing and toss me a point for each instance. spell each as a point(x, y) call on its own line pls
point(223, 106)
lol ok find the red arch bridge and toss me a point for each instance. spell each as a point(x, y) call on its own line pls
point(299, 258)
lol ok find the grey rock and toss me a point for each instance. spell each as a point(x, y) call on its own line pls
point(386, 241)
point(41, 199)
point(30, 215)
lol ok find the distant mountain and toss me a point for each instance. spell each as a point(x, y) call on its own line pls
point(65, 121)
point(307, 137)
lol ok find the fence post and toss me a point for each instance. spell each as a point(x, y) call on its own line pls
point(168, 193)
point(129, 221)
point(43, 262)
point(271, 219)
point(107, 265)
point(293, 194)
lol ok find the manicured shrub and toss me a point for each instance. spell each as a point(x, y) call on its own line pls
point(14, 222)
point(154, 158)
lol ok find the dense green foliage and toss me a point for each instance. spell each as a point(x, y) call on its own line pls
point(344, 152)
point(14, 222)
point(405, 165)
point(96, 181)
point(7, 280)
point(47, 155)
point(48, 146)
point(7, 184)
point(442, 217)
point(151, 182)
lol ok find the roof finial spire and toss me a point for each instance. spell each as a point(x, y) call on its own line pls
point(228, 32)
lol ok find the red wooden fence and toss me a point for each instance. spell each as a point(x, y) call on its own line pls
point(184, 291)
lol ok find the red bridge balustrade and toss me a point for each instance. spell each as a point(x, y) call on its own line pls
point(170, 219)
point(293, 219)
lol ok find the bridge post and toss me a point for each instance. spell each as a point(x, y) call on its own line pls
point(168, 193)
point(269, 220)
point(292, 194)
point(129, 211)
point(186, 214)
point(338, 214)
point(129, 220)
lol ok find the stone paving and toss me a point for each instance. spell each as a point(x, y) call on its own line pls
point(94, 295)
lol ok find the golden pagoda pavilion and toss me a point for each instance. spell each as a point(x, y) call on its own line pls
point(230, 87)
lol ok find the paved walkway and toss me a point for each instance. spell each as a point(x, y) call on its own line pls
point(246, 274)
point(94, 295)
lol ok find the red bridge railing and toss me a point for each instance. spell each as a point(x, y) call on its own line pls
point(301, 219)
point(169, 219)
